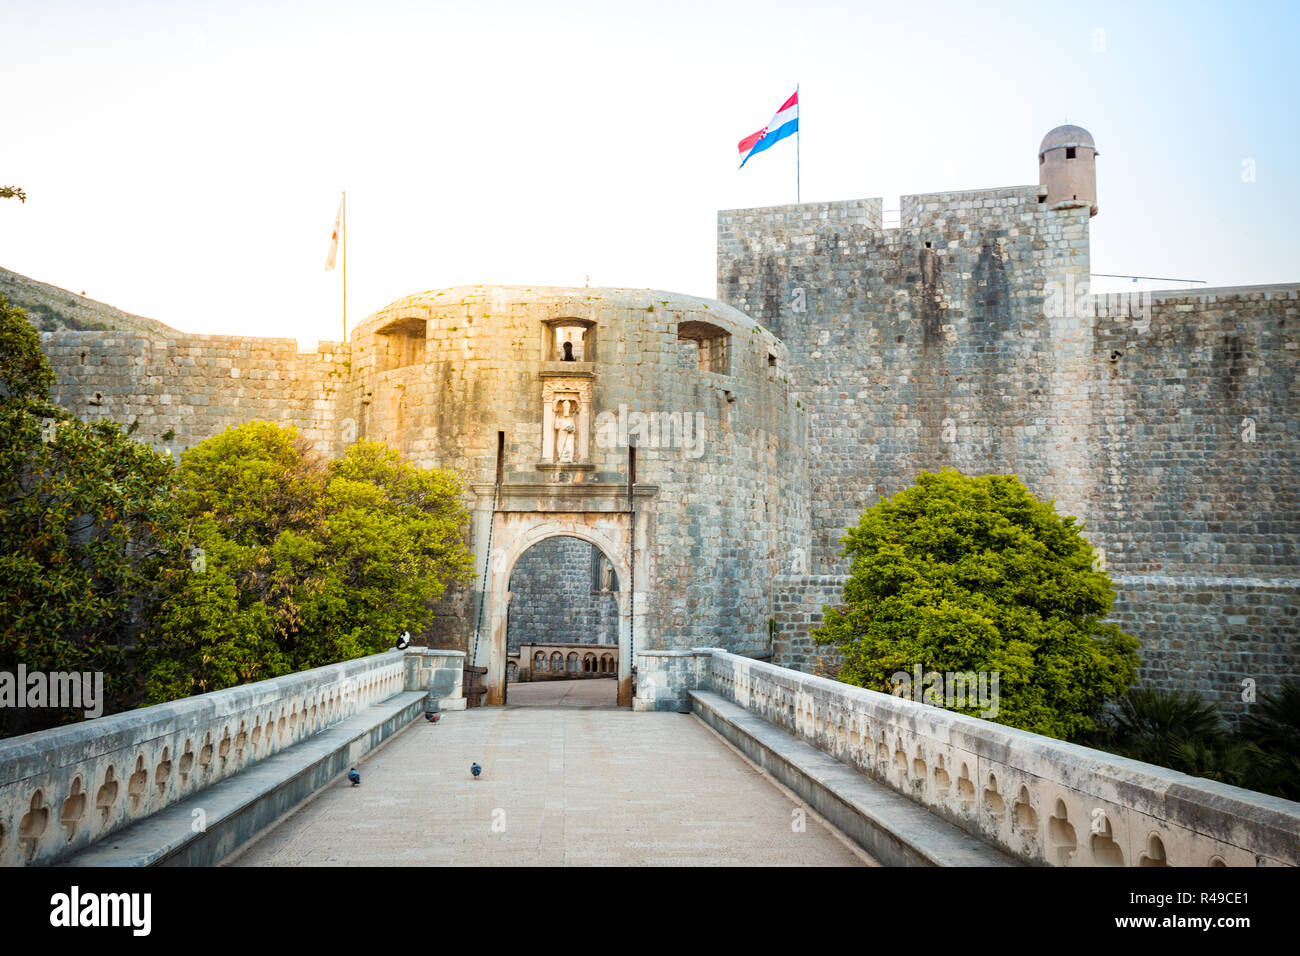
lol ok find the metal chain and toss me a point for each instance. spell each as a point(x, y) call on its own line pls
point(487, 564)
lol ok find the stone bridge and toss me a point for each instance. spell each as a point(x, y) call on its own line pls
point(721, 759)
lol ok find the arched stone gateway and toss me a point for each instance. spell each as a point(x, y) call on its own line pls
point(600, 517)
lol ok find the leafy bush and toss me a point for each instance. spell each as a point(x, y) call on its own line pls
point(304, 562)
point(1151, 725)
point(1177, 730)
point(1271, 738)
point(960, 574)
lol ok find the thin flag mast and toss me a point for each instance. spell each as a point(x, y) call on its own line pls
point(343, 224)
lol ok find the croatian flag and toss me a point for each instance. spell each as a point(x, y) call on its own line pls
point(784, 123)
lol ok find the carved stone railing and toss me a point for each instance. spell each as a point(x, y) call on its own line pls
point(1040, 799)
point(65, 788)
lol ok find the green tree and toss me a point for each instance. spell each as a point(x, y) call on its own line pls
point(1271, 736)
point(1171, 728)
point(12, 192)
point(961, 574)
point(83, 518)
point(1177, 729)
point(304, 562)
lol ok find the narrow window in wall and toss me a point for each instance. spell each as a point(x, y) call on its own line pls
point(400, 343)
point(570, 340)
point(709, 344)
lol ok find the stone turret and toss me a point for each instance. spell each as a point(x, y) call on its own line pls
point(1067, 166)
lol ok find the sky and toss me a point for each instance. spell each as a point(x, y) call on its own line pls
point(184, 161)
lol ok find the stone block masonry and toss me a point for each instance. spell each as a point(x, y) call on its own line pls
point(181, 390)
point(1196, 429)
point(967, 338)
point(1226, 639)
point(797, 603)
point(921, 346)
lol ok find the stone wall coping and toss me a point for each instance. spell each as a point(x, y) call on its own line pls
point(434, 652)
point(1287, 290)
point(149, 758)
point(29, 754)
point(693, 652)
point(955, 195)
point(578, 303)
point(840, 204)
point(995, 192)
point(1205, 581)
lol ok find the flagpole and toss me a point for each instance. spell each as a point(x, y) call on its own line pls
point(798, 193)
point(343, 227)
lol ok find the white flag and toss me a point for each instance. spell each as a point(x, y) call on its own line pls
point(334, 239)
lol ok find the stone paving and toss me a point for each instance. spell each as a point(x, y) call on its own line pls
point(592, 692)
point(567, 780)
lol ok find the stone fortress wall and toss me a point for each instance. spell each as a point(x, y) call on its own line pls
point(180, 389)
point(847, 358)
point(966, 338)
point(1196, 419)
point(921, 345)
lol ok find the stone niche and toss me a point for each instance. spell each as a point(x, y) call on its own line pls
point(566, 418)
point(568, 369)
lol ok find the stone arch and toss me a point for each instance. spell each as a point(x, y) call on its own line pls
point(514, 534)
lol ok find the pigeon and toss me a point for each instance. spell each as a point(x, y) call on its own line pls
point(475, 769)
point(354, 777)
point(432, 716)
point(404, 641)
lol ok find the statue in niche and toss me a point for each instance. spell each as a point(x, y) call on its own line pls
point(606, 576)
point(565, 430)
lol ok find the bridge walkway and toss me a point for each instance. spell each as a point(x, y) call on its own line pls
point(567, 780)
